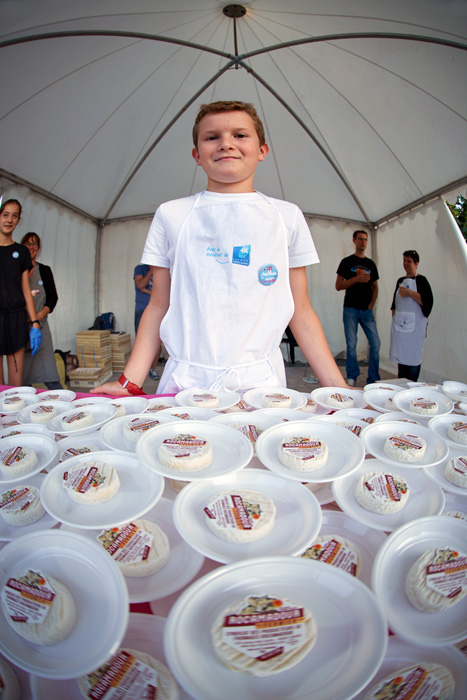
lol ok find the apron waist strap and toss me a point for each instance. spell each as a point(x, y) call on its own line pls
point(225, 373)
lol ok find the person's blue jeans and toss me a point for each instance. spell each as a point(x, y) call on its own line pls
point(364, 317)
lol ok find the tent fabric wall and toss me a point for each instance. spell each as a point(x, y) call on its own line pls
point(69, 248)
point(121, 249)
point(433, 232)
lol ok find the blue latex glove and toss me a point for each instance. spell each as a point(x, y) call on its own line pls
point(35, 339)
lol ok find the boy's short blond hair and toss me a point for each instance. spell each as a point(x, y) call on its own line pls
point(229, 106)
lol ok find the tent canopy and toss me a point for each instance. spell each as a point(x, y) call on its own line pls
point(364, 105)
point(364, 102)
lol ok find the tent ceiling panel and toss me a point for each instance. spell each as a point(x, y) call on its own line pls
point(358, 127)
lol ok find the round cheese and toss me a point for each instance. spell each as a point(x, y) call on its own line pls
point(338, 400)
point(250, 430)
point(337, 551)
point(382, 492)
point(10, 688)
point(17, 461)
point(134, 428)
point(422, 680)
point(12, 403)
point(437, 580)
point(310, 406)
point(303, 453)
point(240, 515)
point(426, 407)
point(276, 400)
point(263, 635)
point(404, 448)
point(42, 413)
point(52, 618)
point(75, 451)
point(313, 486)
point(185, 452)
point(21, 506)
point(457, 431)
point(77, 421)
point(130, 674)
point(204, 400)
point(389, 405)
point(121, 411)
point(91, 483)
point(455, 471)
point(140, 548)
point(177, 484)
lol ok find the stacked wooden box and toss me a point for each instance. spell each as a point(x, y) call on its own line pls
point(121, 349)
point(94, 352)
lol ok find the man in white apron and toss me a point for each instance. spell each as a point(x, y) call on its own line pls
point(228, 273)
point(411, 306)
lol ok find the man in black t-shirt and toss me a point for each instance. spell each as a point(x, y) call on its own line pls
point(358, 276)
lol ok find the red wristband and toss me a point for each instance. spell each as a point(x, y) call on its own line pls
point(130, 387)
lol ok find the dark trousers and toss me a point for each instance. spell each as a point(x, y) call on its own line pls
point(410, 372)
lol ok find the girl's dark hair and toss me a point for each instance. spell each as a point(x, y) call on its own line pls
point(412, 254)
point(11, 201)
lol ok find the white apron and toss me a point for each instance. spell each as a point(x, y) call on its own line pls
point(408, 329)
point(230, 297)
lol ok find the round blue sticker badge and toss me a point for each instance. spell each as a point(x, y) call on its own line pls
point(268, 274)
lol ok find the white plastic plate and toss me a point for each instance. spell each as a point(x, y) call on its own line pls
point(345, 450)
point(140, 489)
point(24, 416)
point(352, 633)
point(440, 427)
point(365, 538)
point(374, 438)
point(437, 473)
point(322, 394)
point(112, 432)
point(297, 522)
point(98, 590)
point(44, 447)
point(102, 412)
point(403, 398)
point(231, 450)
point(425, 496)
point(12, 532)
point(255, 396)
point(401, 654)
point(144, 633)
point(183, 565)
point(392, 565)
point(226, 398)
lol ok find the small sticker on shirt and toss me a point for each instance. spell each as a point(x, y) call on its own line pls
point(241, 254)
point(15, 254)
point(268, 274)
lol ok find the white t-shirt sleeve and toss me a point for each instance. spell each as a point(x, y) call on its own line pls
point(302, 250)
point(156, 248)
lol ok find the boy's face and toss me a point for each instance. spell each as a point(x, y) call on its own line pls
point(229, 151)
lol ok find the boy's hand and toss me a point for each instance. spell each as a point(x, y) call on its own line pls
point(110, 389)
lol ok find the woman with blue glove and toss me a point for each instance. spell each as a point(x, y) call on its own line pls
point(16, 304)
point(42, 368)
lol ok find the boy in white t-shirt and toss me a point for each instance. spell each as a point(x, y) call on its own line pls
point(228, 273)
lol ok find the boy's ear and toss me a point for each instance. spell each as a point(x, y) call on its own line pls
point(263, 151)
point(195, 155)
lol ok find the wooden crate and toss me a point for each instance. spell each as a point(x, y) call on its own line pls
point(94, 349)
point(89, 376)
point(121, 349)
